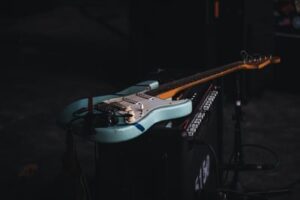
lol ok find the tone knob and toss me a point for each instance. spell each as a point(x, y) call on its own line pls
point(130, 116)
point(128, 108)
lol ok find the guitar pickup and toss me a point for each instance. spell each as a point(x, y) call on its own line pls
point(144, 96)
point(130, 100)
point(118, 105)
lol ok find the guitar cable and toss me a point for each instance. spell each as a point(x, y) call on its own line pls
point(272, 166)
point(256, 195)
point(260, 194)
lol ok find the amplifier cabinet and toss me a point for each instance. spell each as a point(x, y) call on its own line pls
point(170, 161)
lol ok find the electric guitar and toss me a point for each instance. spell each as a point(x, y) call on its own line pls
point(131, 112)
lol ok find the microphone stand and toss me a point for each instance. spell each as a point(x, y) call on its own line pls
point(238, 155)
point(235, 190)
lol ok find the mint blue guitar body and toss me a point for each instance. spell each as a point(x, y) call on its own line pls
point(144, 112)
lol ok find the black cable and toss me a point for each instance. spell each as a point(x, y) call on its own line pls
point(260, 194)
point(70, 123)
point(264, 193)
point(281, 190)
point(256, 196)
point(264, 166)
point(267, 149)
point(271, 191)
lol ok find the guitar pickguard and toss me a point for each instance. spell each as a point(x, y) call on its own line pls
point(154, 110)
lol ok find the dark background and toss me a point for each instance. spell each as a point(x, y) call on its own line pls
point(53, 52)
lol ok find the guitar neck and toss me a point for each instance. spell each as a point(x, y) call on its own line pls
point(168, 90)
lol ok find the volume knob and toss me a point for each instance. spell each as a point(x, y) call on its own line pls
point(130, 116)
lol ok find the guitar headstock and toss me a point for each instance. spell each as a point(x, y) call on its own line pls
point(260, 62)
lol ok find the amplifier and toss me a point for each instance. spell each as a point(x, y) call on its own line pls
point(170, 161)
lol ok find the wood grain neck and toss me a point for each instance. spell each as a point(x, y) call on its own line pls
point(168, 90)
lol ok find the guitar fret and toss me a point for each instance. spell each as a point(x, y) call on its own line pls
point(190, 79)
